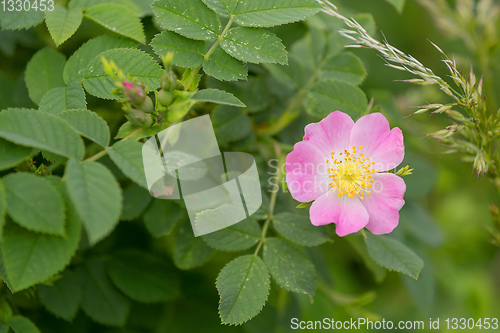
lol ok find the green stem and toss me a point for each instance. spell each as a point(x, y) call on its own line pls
point(272, 201)
point(210, 51)
point(102, 153)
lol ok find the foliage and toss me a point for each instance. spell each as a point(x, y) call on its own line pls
point(84, 84)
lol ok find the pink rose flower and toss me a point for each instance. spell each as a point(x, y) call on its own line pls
point(340, 165)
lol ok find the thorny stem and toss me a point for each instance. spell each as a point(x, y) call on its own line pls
point(272, 201)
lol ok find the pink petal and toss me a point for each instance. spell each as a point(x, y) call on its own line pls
point(306, 172)
point(348, 213)
point(384, 202)
point(381, 144)
point(331, 134)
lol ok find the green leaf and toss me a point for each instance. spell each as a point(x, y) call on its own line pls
point(137, 133)
point(101, 301)
point(254, 45)
point(3, 207)
point(379, 273)
point(327, 96)
point(44, 72)
point(3, 273)
point(243, 286)
point(393, 255)
point(299, 229)
point(40, 130)
point(20, 324)
point(293, 75)
point(63, 298)
point(398, 4)
point(222, 7)
point(190, 251)
point(217, 96)
point(223, 67)
point(127, 155)
point(420, 223)
point(289, 267)
point(11, 154)
point(257, 96)
point(344, 67)
point(304, 205)
point(88, 124)
point(162, 217)
point(119, 19)
point(132, 61)
point(63, 23)
point(187, 52)
point(267, 13)
point(237, 237)
point(14, 20)
point(96, 196)
point(135, 201)
point(4, 328)
point(60, 99)
point(189, 18)
point(142, 276)
point(231, 124)
point(85, 4)
point(423, 290)
point(34, 203)
point(78, 62)
point(30, 258)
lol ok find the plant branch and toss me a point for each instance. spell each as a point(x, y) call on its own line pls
point(272, 201)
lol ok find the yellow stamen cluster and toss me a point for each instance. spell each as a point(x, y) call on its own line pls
point(350, 173)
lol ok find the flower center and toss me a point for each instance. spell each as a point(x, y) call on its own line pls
point(350, 173)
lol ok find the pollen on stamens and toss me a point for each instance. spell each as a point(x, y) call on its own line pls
point(350, 175)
